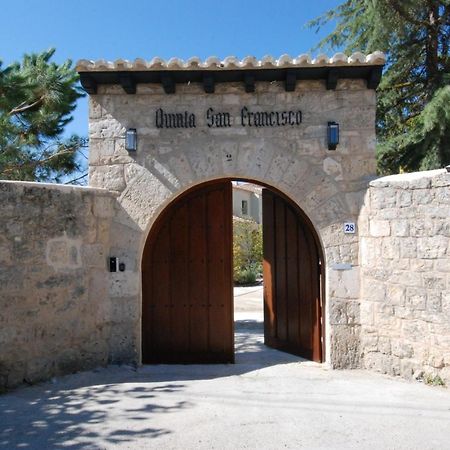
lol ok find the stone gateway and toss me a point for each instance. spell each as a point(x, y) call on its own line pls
point(88, 274)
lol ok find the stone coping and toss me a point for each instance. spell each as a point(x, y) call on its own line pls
point(376, 58)
point(58, 187)
point(440, 175)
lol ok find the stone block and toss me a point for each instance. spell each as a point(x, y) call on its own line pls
point(434, 281)
point(402, 349)
point(442, 195)
point(370, 250)
point(337, 312)
point(414, 330)
point(104, 207)
point(408, 368)
point(366, 313)
point(353, 313)
point(384, 345)
point(390, 248)
point(404, 198)
point(94, 255)
point(446, 304)
point(421, 265)
point(64, 253)
point(416, 298)
point(405, 312)
point(441, 265)
point(108, 177)
point(380, 362)
point(432, 247)
point(122, 343)
point(400, 227)
point(422, 196)
point(386, 320)
point(421, 227)
point(395, 295)
point(125, 310)
point(373, 291)
point(5, 252)
point(100, 151)
point(405, 278)
point(383, 198)
point(333, 168)
point(434, 302)
point(108, 128)
point(348, 253)
point(345, 347)
point(344, 283)
point(363, 225)
point(369, 343)
point(379, 228)
point(124, 284)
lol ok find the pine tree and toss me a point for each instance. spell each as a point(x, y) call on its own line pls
point(37, 97)
point(413, 110)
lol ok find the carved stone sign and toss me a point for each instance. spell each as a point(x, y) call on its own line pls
point(224, 119)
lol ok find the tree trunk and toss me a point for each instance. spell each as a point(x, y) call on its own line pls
point(432, 47)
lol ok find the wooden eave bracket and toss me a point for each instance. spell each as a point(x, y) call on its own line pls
point(209, 83)
point(249, 82)
point(168, 83)
point(127, 82)
point(290, 82)
point(88, 83)
point(374, 77)
point(332, 79)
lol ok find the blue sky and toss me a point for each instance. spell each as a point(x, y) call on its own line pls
point(111, 29)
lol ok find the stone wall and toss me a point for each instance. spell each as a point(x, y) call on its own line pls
point(387, 305)
point(59, 306)
point(405, 261)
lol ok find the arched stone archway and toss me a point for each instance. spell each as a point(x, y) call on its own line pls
point(329, 186)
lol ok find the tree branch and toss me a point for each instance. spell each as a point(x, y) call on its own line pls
point(26, 107)
point(77, 179)
point(37, 162)
point(398, 8)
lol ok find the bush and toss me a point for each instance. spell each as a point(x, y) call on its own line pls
point(247, 251)
point(246, 276)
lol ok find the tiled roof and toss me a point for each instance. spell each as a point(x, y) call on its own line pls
point(232, 63)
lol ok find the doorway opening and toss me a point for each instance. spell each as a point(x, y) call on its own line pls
point(248, 278)
point(188, 287)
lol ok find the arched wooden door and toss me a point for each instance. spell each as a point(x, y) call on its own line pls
point(187, 310)
point(292, 284)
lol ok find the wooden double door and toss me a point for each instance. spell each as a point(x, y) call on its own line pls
point(187, 276)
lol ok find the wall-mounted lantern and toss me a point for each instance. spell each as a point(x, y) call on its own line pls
point(333, 135)
point(131, 140)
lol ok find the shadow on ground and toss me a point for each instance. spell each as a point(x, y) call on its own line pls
point(61, 415)
point(250, 354)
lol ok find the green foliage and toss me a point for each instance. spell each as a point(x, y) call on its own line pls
point(246, 276)
point(247, 251)
point(413, 119)
point(37, 97)
point(433, 380)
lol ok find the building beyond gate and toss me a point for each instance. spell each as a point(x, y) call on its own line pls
point(160, 129)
